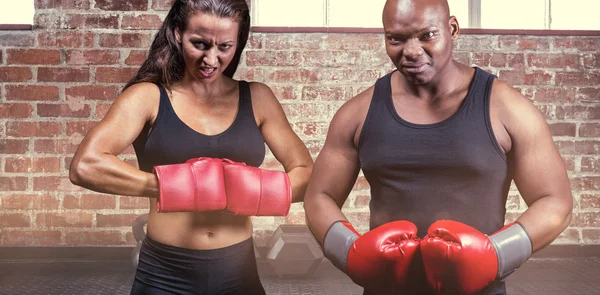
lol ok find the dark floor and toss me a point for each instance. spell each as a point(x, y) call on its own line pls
point(539, 276)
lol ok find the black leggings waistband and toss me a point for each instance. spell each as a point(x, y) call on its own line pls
point(166, 269)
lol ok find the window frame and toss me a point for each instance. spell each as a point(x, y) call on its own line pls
point(473, 29)
point(18, 26)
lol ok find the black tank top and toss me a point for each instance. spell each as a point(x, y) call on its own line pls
point(171, 141)
point(453, 169)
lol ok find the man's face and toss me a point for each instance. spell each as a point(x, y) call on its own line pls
point(419, 36)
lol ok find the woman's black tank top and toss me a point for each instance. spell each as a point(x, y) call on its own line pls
point(171, 141)
point(453, 169)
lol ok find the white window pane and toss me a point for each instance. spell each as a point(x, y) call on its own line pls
point(460, 9)
point(575, 15)
point(356, 13)
point(513, 14)
point(289, 13)
point(16, 12)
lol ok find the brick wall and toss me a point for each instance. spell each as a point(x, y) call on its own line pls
point(59, 79)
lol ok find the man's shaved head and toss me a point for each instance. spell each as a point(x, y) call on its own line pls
point(419, 35)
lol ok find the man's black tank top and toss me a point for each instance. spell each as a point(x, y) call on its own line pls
point(453, 169)
point(171, 141)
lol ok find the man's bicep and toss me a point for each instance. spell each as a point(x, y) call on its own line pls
point(538, 167)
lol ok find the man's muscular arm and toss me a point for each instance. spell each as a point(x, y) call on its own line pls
point(336, 168)
point(538, 169)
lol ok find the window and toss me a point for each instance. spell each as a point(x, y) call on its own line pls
point(527, 14)
point(16, 12)
point(317, 13)
point(487, 14)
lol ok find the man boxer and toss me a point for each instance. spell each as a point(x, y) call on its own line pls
point(439, 143)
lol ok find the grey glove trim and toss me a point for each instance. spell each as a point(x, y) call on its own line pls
point(338, 241)
point(513, 247)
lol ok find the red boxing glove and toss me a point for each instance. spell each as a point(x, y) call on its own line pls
point(459, 259)
point(378, 260)
point(256, 192)
point(196, 185)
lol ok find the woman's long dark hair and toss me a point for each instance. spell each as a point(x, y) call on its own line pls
point(165, 62)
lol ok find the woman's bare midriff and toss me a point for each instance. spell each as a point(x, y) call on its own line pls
point(198, 230)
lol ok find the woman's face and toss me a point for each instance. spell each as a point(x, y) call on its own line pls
point(209, 44)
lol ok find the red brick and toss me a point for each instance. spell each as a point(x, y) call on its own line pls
point(90, 202)
point(13, 146)
point(46, 21)
point(62, 4)
point(250, 74)
point(141, 22)
point(93, 92)
point(66, 39)
point(293, 41)
point(121, 5)
point(255, 41)
point(63, 110)
point(94, 238)
point(307, 111)
point(32, 56)
point(93, 57)
point(32, 92)
point(128, 40)
point(553, 60)
point(30, 238)
point(56, 146)
point(292, 76)
point(577, 43)
point(115, 75)
point(20, 39)
point(589, 130)
point(476, 43)
point(340, 58)
point(80, 127)
point(92, 21)
point(577, 78)
point(555, 95)
point(136, 58)
point(273, 58)
point(14, 183)
point(361, 184)
point(312, 129)
point(374, 42)
point(126, 202)
point(586, 183)
point(15, 110)
point(15, 74)
point(115, 220)
point(361, 201)
point(461, 57)
point(33, 165)
point(325, 93)
point(591, 61)
point(284, 92)
point(586, 219)
point(578, 147)
point(578, 112)
point(33, 129)
point(521, 43)
point(30, 202)
point(589, 164)
point(564, 129)
point(591, 236)
point(63, 75)
point(64, 219)
point(53, 183)
point(14, 220)
point(590, 201)
point(162, 4)
point(589, 94)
